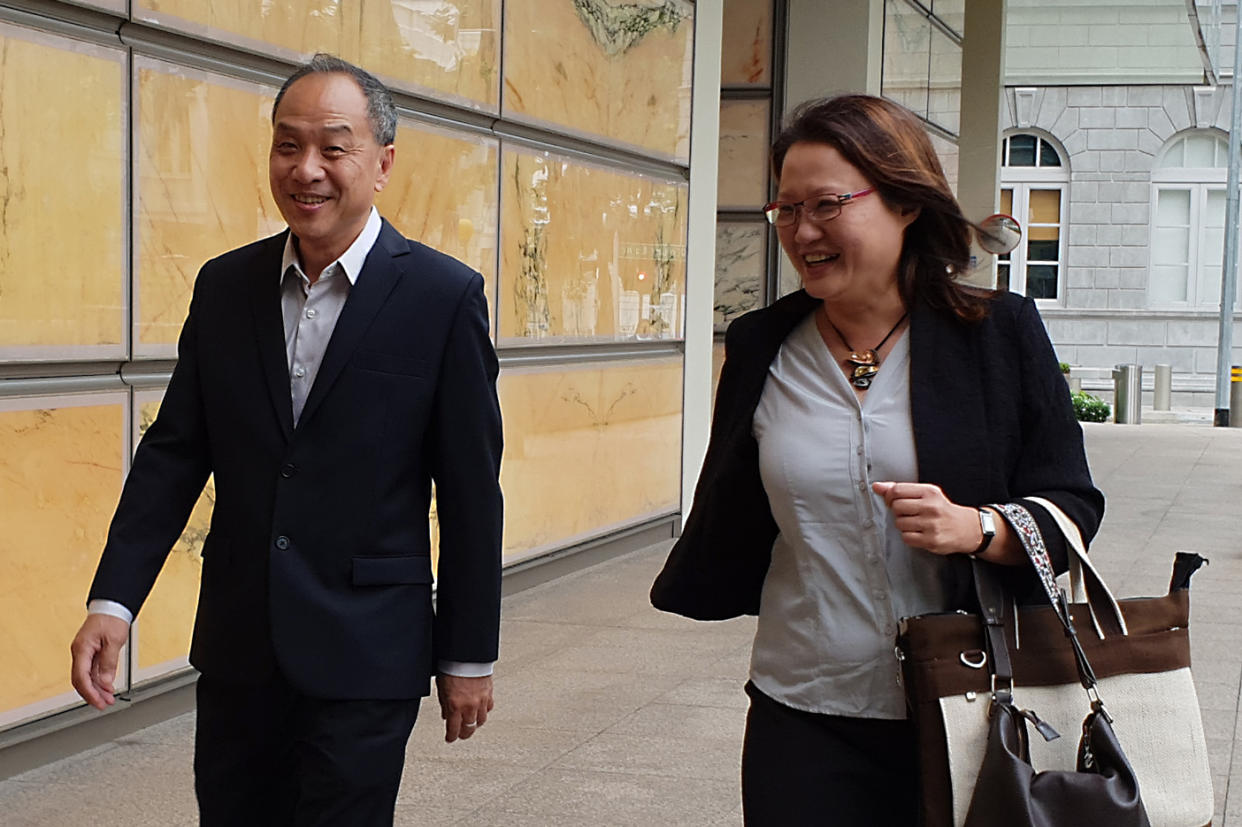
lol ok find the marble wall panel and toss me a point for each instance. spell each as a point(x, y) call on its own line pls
point(742, 171)
point(62, 197)
point(741, 269)
point(167, 619)
point(611, 69)
point(746, 45)
point(63, 460)
point(295, 27)
point(588, 253)
point(443, 193)
point(450, 47)
point(118, 6)
point(201, 145)
point(588, 448)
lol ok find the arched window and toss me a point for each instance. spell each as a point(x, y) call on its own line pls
point(1188, 221)
point(1034, 177)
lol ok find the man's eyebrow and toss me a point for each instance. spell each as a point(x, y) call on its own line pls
point(283, 126)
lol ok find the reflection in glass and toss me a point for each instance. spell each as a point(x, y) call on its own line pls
point(587, 449)
point(202, 144)
point(616, 71)
point(746, 47)
point(62, 197)
point(1048, 156)
point(742, 170)
point(944, 99)
point(1041, 281)
point(948, 154)
point(741, 269)
point(1022, 150)
point(588, 253)
point(907, 51)
point(448, 47)
point(64, 463)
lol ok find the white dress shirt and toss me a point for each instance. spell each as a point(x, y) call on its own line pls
point(310, 312)
point(840, 576)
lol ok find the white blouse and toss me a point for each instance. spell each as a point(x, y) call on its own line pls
point(840, 576)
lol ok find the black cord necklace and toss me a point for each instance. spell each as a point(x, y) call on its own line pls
point(865, 365)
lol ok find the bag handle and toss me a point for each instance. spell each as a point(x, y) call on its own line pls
point(1083, 571)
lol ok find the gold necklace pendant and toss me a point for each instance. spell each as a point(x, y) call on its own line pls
point(867, 357)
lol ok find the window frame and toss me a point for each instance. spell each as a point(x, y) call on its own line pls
point(1021, 181)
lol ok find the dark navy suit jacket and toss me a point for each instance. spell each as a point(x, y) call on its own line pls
point(318, 559)
point(992, 423)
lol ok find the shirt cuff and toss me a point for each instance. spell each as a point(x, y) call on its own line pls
point(109, 607)
point(458, 669)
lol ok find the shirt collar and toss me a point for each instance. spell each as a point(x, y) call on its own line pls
point(351, 260)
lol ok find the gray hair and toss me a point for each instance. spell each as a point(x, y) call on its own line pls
point(381, 113)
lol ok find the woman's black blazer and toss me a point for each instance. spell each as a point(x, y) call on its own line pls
point(992, 423)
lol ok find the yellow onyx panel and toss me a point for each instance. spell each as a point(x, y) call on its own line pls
point(746, 45)
point(742, 173)
point(60, 477)
point(588, 253)
point(295, 27)
point(450, 47)
point(615, 69)
point(62, 196)
point(202, 146)
point(167, 618)
point(443, 193)
point(588, 448)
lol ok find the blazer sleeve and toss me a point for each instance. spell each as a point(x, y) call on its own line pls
point(165, 479)
point(464, 444)
point(1052, 460)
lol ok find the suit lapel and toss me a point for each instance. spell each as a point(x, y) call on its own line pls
point(269, 328)
point(378, 277)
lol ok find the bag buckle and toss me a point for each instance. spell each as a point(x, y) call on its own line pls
point(1002, 694)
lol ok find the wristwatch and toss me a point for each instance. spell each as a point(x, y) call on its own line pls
point(987, 523)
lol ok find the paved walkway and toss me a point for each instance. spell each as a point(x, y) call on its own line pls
point(610, 713)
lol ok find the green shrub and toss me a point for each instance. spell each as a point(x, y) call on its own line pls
point(1090, 408)
point(1065, 367)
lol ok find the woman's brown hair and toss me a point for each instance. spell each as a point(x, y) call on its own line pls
point(890, 147)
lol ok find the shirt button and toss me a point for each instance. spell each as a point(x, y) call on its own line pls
point(868, 523)
point(282, 542)
point(862, 486)
point(288, 470)
point(312, 313)
point(299, 372)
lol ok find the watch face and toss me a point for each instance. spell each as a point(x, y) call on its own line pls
point(987, 522)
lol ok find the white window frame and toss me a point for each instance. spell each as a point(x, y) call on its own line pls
point(1022, 180)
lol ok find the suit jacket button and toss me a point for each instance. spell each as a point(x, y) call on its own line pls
point(288, 470)
point(282, 542)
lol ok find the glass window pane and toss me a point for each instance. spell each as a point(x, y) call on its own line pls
point(746, 46)
point(944, 98)
point(1042, 250)
point(1170, 245)
point(1045, 206)
point(1022, 150)
point(907, 54)
point(1175, 157)
point(742, 171)
point(741, 269)
point(949, 156)
point(447, 47)
point(189, 121)
point(1048, 156)
point(64, 464)
point(629, 84)
point(1200, 151)
point(952, 13)
point(1173, 208)
point(1168, 284)
point(1006, 201)
point(1214, 212)
point(608, 435)
point(589, 253)
point(1041, 281)
point(62, 166)
point(1002, 276)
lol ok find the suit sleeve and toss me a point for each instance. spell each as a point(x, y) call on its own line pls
point(465, 442)
point(165, 479)
point(1052, 462)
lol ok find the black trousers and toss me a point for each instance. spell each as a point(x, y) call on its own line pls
point(802, 768)
point(270, 755)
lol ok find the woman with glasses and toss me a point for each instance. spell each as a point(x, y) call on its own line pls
point(863, 425)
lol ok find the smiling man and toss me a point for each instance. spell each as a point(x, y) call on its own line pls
point(326, 376)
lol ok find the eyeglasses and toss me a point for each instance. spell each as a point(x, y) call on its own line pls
point(823, 207)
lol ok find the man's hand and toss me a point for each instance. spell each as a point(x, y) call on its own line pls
point(464, 704)
point(95, 650)
point(927, 519)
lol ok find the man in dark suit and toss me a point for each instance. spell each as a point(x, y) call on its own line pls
point(326, 376)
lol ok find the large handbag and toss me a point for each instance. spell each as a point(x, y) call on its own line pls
point(1134, 652)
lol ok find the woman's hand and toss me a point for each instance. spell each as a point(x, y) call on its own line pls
point(929, 520)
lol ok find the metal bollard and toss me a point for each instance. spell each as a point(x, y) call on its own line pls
point(1235, 397)
point(1128, 394)
point(1162, 399)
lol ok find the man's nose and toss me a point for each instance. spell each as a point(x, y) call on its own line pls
point(308, 168)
